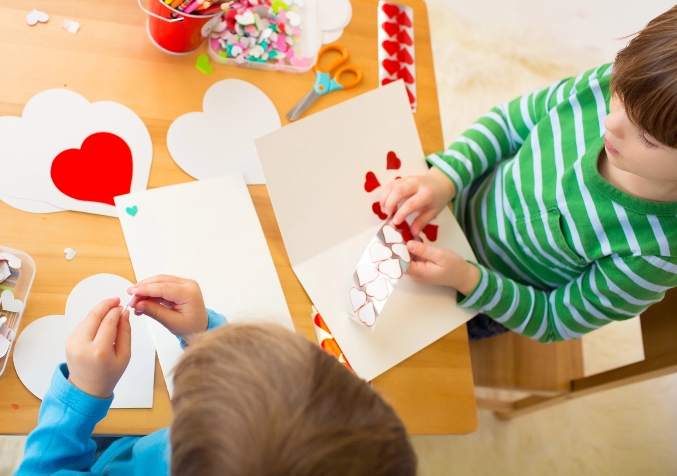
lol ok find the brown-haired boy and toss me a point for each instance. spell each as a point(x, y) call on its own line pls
point(568, 196)
point(251, 399)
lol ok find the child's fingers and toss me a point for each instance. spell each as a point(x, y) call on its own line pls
point(422, 220)
point(167, 291)
point(123, 337)
point(403, 189)
point(164, 316)
point(413, 204)
point(108, 328)
point(159, 278)
point(90, 325)
point(421, 250)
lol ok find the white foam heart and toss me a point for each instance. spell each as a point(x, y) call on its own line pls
point(367, 314)
point(391, 235)
point(357, 298)
point(9, 303)
point(379, 252)
point(400, 249)
point(13, 261)
point(36, 16)
point(366, 274)
point(41, 345)
point(4, 271)
point(234, 113)
point(391, 268)
point(247, 18)
point(378, 289)
point(70, 253)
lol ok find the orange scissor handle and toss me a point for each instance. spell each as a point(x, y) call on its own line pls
point(342, 50)
point(350, 70)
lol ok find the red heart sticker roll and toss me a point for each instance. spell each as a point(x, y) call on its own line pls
point(390, 9)
point(391, 28)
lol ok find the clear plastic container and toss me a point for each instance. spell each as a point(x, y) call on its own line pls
point(305, 46)
point(19, 283)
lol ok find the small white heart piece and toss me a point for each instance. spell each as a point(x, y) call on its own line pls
point(391, 235)
point(378, 289)
point(247, 18)
point(4, 271)
point(9, 303)
point(366, 274)
point(379, 252)
point(357, 298)
point(367, 314)
point(12, 260)
point(36, 16)
point(70, 253)
point(400, 249)
point(391, 268)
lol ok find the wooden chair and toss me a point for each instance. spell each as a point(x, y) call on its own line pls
point(553, 373)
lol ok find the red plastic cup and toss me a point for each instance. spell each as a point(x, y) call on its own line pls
point(177, 36)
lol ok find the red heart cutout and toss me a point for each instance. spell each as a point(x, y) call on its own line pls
point(387, 80)
point(404, 57)
point(96, 172)
point(405, 74)
point(391, 47)
point(430, 231)
point(371, 183)
point(392, 161)
point(391, 66)
point(406, 232)
point(403, 37)
point(376, 208)
point(403, 19)
point(412, 98)
point(390, 28)
point(390, 9)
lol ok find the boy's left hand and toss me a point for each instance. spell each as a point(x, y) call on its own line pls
point(99, 349)
point(441, 267)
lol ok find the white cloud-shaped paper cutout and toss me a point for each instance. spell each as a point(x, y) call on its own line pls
point(220, 140)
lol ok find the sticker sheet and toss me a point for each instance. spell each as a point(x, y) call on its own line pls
point(396, 56)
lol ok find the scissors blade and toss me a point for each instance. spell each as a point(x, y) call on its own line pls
point(303, 105)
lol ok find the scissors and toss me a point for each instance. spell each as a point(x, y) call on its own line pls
point(324, 83)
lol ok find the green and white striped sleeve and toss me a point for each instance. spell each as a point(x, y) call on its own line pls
point(611, 289)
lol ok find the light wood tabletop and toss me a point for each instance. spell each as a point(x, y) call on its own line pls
point(111, 58)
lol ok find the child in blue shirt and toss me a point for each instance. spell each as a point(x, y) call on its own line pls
point(251, 399)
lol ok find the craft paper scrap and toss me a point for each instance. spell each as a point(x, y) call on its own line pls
point(316, 172)
point(207, 231)
point(396, 58)
point(41, 346)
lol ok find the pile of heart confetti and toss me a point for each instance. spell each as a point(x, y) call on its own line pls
point(260, 31)
point(9, 306)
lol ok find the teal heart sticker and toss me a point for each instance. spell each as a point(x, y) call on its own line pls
point(131, 211)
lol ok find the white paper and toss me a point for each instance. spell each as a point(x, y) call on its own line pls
point(220, 140)
point(333, 14)
point(207, 231)
point(315, 170)
point(41, 345)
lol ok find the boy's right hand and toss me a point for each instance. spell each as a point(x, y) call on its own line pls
point(174, 302)
point(426, 194)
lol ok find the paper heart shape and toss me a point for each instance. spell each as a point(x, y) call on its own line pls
point(371, 183)
point(406, 76)
point(234, 152)
point(367, 314)
point(391, 47)
point(379, 252)
point(390, 28)
point(132, 211)
point(391, 268)
point(400, 249)
point(385, 81)
point(391, 66)
point(202, 64)
point(36, 16)
point(70, 253)
point(404, 38)
point(390, 235)
point(97, 172)
point(8, 302)
point(430, 231)
point(392, 161)
point(365, 274)
point(403, 56)
point(376, 208)
point(41, 345)
point(12, 261)
point(378, 289)
point(357, 298)
point(390, 9)
point(404, 20)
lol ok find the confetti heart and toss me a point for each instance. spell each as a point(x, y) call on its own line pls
point(404, 57)
point(400, 249)
point(131, 211)
point(366, 274)
point(376, 208)
point(391, 66)
point(357, 298)
point(392, 161)
point(70, 253)
point(371, 183)
point(247, 18)
point(36, 16)
point(404, 38)
point(390, 235)
point(202, 64)
point(391, 47)
point(391, 28)
point(9, 303)
point(391, 268)
point(12, 260)
point(406, 75)
point(430, 231)
point(404, 20)
point(367, 314)
point(390, 9)
point(378, 289)
point(379, 252)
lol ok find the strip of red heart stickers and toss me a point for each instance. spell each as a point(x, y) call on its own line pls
point(396, 47)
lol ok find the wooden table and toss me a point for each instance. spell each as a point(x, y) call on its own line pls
point(111, 58)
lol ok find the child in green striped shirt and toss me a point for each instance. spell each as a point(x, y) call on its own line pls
point(568, 196)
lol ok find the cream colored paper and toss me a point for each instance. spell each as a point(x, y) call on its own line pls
point(315, 172)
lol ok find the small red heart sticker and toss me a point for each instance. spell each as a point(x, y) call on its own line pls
point(390, 9)
point(403, 19)
point(405, 74)
point(405, 231)
point(371, 183)
point(376, 208)
point(412, 99)
point(391, 28)
point(392, 161)
point(404, 57)
point(391, 66)
point(430, 231)
point(385, 81)
point(403, 37)
point(391, 47)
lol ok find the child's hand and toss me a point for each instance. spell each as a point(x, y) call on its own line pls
point(99, 349)
point(176, 303)
point(440, 267)
point(426, 194)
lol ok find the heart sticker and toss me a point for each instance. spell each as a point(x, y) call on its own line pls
point(406, 232)
point(412, 99)
point(9, 303)
point(390, 9)
point(131, 211)
point(391, 28)
point(391, 268)
point(371, 183)
point(391, 66)
point(12, 260)
point(367, 314)
point(376, 208)
point(385, 81)
point(357, 298)
point(406, 75)
point(404, 20)
point(400, 249)
point(378, 289)
point(392, 161)
point(430, 232)
point(97, 172)
point(404, 38)
point(390, 235)
point(379, 252)
point(391, 47)
point(404, 57)
point(366, 274)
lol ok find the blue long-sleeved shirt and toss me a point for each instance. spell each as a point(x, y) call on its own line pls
point(61, 444)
